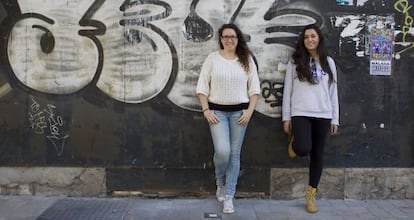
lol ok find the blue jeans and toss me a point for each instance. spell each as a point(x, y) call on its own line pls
point(228, 138)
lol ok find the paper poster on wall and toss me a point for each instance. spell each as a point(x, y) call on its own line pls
point(381, 51)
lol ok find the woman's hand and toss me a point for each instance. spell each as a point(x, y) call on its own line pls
point(211, 117)
point(287, 127)
point(245, 117)
point(334, 129)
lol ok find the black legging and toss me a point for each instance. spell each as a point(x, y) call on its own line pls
point(309, 137)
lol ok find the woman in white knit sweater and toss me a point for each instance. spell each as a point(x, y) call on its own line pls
point(310, 108)
point(228, 88)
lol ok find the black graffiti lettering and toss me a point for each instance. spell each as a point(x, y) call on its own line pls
point(87, 21)
point(143, 21)
point(272, 92)
point(196, 28)
point(307, 15)
point(47, 41)
point(135, 36)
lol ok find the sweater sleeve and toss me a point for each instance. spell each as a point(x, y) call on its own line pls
point(253, 82)
point(333, 91)
point(287, 92)
point(203, 84)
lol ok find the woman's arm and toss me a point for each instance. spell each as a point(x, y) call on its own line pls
point(287, 92)
point(209, 115)
point(247, 113)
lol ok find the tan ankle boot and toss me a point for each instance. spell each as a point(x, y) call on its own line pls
point(310, 198)
point(291, 153)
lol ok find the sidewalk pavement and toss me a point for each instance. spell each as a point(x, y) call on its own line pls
point(131, 208)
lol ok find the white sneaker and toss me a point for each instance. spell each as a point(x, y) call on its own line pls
point(220, 193)
point(228, 206)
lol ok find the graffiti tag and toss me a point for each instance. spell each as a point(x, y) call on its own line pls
point(403, 6)
point(41, 119)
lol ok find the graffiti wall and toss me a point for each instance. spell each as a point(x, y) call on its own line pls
point(112, 83)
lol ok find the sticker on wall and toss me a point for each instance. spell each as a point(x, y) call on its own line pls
point(381, 51)
point(345, 2)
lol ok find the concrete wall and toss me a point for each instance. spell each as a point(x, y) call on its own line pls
point(285, 183)
point(108, 87)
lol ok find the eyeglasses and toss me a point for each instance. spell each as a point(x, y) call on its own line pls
point(229, 37)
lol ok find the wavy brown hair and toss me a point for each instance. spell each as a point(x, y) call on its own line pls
point(242, 50)
point(301, 57)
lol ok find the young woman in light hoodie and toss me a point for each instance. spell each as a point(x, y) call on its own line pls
point(310, 109)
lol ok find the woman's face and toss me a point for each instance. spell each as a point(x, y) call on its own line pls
point(311, 40)
point(229, 39)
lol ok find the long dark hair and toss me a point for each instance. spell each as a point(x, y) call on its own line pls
point(301, 57)
point(242, 50)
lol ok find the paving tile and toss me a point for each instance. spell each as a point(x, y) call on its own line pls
point(99, 209)
point(24, 207)
point(33, 207)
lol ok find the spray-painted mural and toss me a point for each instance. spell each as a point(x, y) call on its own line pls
point(112, 83)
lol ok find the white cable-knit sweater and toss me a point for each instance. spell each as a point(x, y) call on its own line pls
point(225, 82)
